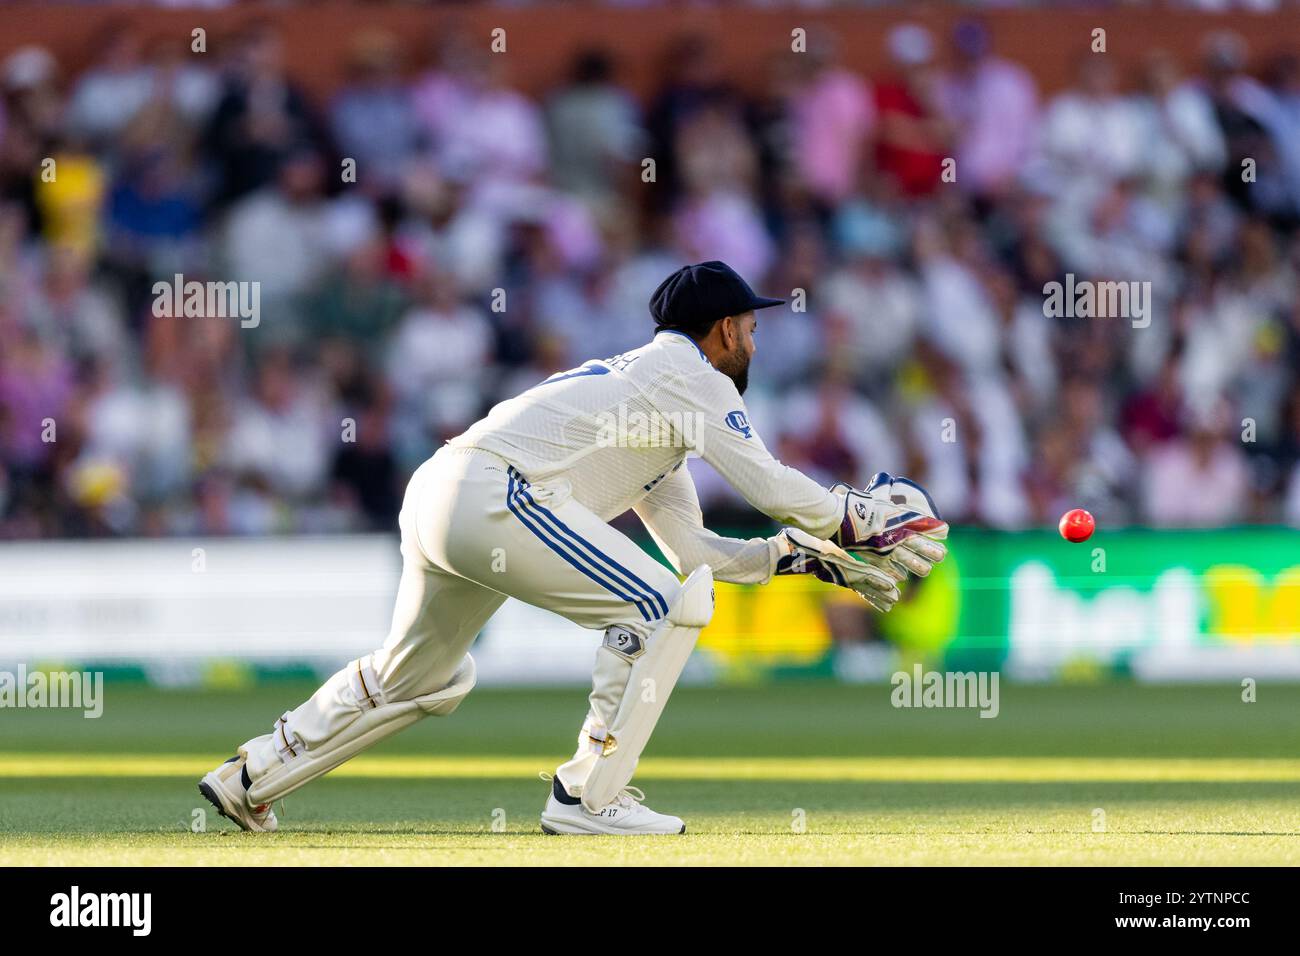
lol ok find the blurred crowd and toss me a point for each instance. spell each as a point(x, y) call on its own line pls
point(489, 239)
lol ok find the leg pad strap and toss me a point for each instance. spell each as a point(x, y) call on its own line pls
point(374, 720)
point(652, 679)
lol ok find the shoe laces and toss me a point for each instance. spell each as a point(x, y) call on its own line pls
point(630, 796)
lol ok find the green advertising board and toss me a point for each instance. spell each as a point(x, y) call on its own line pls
point(1159, 604)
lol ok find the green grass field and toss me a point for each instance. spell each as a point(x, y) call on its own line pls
point(783, 774)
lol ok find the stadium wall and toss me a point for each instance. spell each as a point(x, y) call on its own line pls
point(1212, 605)
point(541, 39)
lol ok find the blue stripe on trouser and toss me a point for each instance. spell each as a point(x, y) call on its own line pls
point(550, 541)
point(628, 579)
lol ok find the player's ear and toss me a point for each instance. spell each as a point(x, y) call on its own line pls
point(730, 332)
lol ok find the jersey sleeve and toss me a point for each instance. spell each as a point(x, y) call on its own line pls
point(671, 513)
point(726, 440)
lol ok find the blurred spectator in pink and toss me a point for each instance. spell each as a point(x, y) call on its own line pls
point(992, 105)
point(443, 93)
point(719, 216)
point(1198, 481)
point(832, 114)
point(36, 384)
point(499, 140)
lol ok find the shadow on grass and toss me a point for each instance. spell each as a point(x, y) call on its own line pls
point(466, 808)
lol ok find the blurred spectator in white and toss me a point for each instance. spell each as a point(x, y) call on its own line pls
point(180, 82)
point(871, 298)
point(109, 95)
point(1105, 469)
point(1180, 135)
point(964, 435)
point(284, 434)
point(436, 362)
point(1115, 232)
point(1223, 334)
point(1091, 134)
point(1199, 481)
point(276, 236)
point(140, 425)
point(1025, 337)
point(992, 105)
point(958, 316)
point(594, 129)
point(72, 312)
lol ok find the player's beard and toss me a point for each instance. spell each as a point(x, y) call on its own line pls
point(735, 365)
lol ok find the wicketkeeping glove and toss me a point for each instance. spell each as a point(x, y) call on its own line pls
point(893, 522)
point(805, 554)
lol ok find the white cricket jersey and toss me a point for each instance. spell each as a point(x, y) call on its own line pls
point(617, 431)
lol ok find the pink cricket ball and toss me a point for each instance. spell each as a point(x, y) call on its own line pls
point(1077, 525)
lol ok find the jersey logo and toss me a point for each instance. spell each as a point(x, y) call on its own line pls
point(737, 421)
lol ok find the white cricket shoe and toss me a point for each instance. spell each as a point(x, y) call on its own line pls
point(226, 788)
point(626, 815)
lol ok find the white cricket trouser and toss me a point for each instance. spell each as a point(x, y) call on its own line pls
point(474, 532)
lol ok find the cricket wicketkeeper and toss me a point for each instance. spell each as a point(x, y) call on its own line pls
point(518, 506)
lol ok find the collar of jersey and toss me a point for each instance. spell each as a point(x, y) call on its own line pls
point(695, 345)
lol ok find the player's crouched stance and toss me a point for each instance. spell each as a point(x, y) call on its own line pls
point(536, 482)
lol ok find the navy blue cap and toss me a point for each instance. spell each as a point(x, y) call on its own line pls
point(694, 297)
